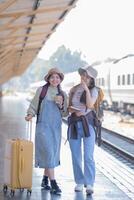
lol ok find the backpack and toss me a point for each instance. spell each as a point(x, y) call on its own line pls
point(98, 115)
point(98, 104)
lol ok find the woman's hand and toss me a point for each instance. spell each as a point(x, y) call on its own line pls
point(28, 117)
point(58, 99)
point(78, 114)
point(84, 85)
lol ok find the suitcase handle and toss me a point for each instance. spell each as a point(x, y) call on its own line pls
point(29, 130)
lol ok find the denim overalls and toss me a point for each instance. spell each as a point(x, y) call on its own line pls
point(48, 136)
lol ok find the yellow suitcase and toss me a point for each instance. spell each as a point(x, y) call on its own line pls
point(18, 165)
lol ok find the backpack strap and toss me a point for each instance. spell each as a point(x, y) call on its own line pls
point(41, 97)
point(98, 101)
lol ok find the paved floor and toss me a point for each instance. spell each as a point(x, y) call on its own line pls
point(12, 125)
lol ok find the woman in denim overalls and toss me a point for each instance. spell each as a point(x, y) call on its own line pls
point(81, 127)
point(48, 127)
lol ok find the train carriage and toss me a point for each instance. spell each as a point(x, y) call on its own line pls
point(117, 80)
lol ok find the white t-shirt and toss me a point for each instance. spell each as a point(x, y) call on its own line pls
point(76, 99)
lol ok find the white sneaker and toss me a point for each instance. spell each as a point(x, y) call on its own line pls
point(89, 190)
point(78, 188)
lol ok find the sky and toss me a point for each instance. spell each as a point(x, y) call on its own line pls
point(97, 28)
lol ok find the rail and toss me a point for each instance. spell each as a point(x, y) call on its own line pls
point(118, 143)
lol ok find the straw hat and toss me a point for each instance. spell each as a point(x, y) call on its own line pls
point(90, 71)
point(54, 71)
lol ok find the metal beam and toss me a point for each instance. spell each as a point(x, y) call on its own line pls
point(39, 11)
point(20, 26)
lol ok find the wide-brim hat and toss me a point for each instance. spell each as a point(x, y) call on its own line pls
point(54, 71)
point(89, 70)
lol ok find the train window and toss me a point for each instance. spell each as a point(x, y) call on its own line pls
point(123, 79)
point(118, 80)
point(128, 79)
point(99, 81)
point(103, 82)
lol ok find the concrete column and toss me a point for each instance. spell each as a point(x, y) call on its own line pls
point(0, 91)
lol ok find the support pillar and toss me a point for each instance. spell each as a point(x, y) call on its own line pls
point(0, 91)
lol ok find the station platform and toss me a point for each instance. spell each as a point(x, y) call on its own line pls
point(13, 125)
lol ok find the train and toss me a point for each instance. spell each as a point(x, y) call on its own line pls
point(116, 78)
point(117, 81)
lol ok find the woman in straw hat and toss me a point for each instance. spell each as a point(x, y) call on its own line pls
point(48, 126)
point(81, 127)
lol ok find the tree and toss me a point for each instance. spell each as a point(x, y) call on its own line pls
point(66, 60)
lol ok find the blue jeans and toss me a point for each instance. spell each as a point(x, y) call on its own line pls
point(86, 176)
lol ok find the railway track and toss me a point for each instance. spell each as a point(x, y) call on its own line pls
point(117, 144)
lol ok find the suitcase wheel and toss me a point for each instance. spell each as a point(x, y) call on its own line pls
point(5, 188)
point(12, 193)
point(29, 191)
point(22, 190)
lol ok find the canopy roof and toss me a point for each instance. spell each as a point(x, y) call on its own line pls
point(25, 26)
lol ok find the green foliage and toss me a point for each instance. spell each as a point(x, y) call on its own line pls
point(63, 58)
point(66, 60)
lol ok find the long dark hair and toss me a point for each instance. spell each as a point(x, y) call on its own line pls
point(91, 85)
point(60, 91)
